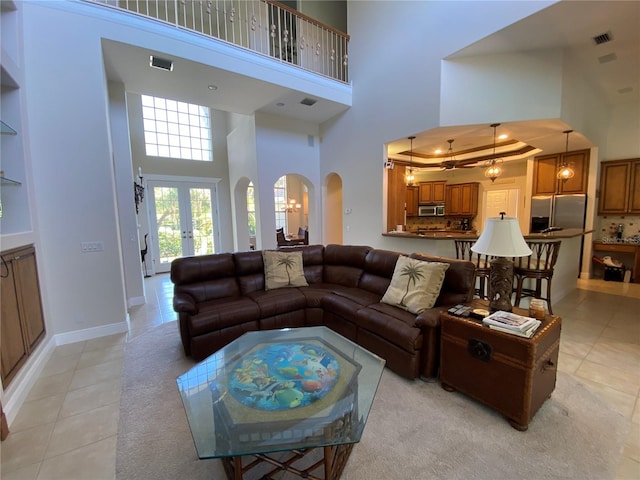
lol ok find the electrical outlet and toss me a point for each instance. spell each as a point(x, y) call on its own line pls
point(91, 247)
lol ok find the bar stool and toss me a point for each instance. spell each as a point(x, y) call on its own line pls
point(538, 267)
point(482, 263)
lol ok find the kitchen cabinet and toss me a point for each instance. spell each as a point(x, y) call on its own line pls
point(432, 192)
point(412, 201)
point(545, 169)
point(619, 187)
point(461, 200)
point(22, 320)
point(396, 197)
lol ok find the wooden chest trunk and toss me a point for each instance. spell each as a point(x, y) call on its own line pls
point(508, 373)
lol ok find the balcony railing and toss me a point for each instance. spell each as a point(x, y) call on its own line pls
point(263, 26)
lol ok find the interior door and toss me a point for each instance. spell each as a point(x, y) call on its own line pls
point(183, 219)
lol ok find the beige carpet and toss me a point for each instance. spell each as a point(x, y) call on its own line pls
point(415, 430)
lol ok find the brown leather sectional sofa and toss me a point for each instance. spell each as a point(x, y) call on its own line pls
point(219, 297)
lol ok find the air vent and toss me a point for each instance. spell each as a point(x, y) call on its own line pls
point(625, 90)
point(161, 63)
point(308, 101)
point(608, 58)
point(603, 38)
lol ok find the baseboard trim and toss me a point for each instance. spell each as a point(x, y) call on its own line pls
point(91, 333)
point(135, 301)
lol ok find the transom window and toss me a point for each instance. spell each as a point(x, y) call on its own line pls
point(176, 129)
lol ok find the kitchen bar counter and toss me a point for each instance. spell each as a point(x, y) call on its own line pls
point(471, 235)
point(566, 270)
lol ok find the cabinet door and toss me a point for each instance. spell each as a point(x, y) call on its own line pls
point(438, 191)
point(469, 199)
point(396, 197)
point(28, 289)
point(13, 350)
point(579, 161)
point(425, 194)
point(544, 175)
point(452, 204)
point(412, 201)
point(614, 187)
point(634, 188)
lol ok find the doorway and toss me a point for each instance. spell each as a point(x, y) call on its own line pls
point(183, 220)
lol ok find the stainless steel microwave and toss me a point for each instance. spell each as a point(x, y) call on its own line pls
point(434, 210)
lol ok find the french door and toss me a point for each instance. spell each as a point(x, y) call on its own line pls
point(183, 217)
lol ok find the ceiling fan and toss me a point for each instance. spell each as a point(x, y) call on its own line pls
point(450, 161)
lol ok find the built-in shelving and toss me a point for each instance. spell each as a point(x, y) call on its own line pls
point(7, 181)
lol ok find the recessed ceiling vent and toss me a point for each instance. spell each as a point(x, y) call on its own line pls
point(161, 63)
point(308, 101)
point(608, 58)
point(603, 38)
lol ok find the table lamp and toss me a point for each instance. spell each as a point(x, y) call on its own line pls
point(502, 239)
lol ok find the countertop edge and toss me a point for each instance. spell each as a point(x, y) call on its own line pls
point(560, 234)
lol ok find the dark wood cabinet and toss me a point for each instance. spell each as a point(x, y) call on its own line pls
point(432, 192)
point(22, 320)
point(462, 200)
point(396, 197)
point(412, 201)
point(545, 170)
point(619, 187)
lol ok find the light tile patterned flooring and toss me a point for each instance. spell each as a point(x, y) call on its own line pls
point(67, 427)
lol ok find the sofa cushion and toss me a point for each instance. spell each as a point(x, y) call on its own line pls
point(249, 271)
point(283, 269)
point(459, 279)
point(343, 264)
point(415, 284)
point(222, 313)
point(393, 324)
point(278, 301)
point(378, 269)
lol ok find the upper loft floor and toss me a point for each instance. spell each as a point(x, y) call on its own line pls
point(266, 27)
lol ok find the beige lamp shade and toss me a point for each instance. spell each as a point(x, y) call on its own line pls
point(501, 237)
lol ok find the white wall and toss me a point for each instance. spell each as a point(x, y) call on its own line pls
point(396, 92)
point(515, 87)
point(287, 147)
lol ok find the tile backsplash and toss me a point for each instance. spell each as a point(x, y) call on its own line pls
point(606, 226)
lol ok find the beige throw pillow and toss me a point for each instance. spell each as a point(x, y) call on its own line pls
point(283, 269)
point(415, 284)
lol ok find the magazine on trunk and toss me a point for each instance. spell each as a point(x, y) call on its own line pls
point(509, 320)
point(528, 333)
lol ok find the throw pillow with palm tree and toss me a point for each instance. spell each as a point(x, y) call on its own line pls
point(283, 269)
point(415, 284)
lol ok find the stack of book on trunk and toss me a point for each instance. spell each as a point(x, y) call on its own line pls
point(513, 323)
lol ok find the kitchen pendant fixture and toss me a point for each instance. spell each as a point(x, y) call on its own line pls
point(494, 170)
point(565, 172)
point(410, 177)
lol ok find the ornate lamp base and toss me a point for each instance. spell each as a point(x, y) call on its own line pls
point(501, 285)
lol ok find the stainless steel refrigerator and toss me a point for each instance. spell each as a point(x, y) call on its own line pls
point(558, 211)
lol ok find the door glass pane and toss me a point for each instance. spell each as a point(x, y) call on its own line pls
point(168, 221)
point(202, 221)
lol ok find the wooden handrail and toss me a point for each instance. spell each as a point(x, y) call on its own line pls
point(307, 18)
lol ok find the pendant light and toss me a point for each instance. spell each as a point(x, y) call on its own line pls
point(410, 177)
point(494, 170)
point(565, 172)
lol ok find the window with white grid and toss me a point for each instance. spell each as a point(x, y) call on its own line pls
point(176, 129)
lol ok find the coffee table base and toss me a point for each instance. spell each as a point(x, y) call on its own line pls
point(333, 461)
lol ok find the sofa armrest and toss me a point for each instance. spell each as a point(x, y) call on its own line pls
point(429, 318)
point(184, 303)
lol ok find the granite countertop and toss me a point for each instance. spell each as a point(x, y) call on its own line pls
point(472, 234)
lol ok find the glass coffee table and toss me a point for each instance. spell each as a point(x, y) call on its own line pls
point(292, 399)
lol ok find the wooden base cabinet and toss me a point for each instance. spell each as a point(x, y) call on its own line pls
point(22, 320)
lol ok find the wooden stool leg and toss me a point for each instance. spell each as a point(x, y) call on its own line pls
point(549, 295)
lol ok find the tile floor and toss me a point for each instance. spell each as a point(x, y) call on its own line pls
point(67, 427)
